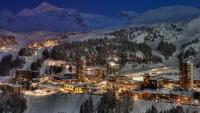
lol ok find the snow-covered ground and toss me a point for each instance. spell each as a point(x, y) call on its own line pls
point(142, 106)
point(177, 34)
point(4, 79)
point(70, 103)
point(57, 103)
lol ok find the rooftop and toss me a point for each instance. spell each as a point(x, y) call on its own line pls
point(166, 91)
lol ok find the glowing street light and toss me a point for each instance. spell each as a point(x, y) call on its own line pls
point(112, 64)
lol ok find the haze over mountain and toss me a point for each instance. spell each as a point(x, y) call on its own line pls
point(48, 17)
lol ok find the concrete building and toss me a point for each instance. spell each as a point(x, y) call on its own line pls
point(186, 72)
point(96, 71)
point(80, 66)
point(113, 65)
point(1, 96)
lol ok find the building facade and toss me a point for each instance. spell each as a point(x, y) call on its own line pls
point(186, 72)
point(80, 66)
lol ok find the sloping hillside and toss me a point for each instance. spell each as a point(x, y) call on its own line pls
point(58, 103)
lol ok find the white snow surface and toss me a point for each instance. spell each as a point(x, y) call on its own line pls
point(58, 103)
point(70, 103)
point(142, 106)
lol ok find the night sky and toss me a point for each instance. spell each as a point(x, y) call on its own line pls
point(106, 7)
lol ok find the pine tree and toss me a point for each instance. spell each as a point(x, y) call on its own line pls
point(36, 65)
point(70, 68)
point(87, 106)
point(45, 53)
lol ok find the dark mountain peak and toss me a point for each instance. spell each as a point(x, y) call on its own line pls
point(41, 8)
point(45, 6)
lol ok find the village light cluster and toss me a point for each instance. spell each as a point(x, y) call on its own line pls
point(97, 80)
point(45, 44)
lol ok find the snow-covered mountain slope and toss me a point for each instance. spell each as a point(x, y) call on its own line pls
point(23, 39)
point(48, 17)
point(64, 103)
point(43, 7)
point(177, 37)
point(177, 13)
point(153, 34)
point(70, 103)
point(194, 25)
point(167, 41)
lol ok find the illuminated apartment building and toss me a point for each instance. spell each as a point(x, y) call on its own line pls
point(80, 66)
point(113, 65)
point(186, 71)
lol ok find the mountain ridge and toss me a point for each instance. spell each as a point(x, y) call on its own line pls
point(48, 17)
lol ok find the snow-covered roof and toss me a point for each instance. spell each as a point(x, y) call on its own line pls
point(51, 86)
point(167, 92)
point(76, 84)
point(4, 79)
point(15, 85)
point(11, 85)
point(165, 76)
